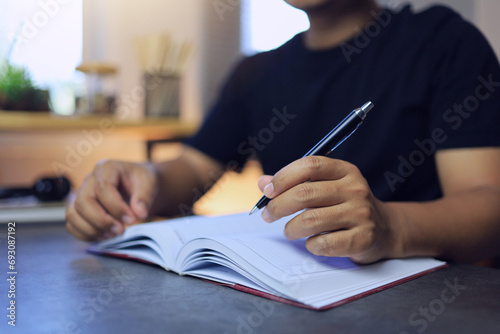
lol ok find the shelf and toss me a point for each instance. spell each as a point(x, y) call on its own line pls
point(147, 128)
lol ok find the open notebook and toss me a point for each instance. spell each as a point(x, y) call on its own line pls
point(249, 254)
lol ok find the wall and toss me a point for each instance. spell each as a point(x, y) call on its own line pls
point(111, 25)
point(486, 17)
point(464, 7)
point(482, 13)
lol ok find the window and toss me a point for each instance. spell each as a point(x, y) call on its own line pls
point(267, 24)
point(45, 36)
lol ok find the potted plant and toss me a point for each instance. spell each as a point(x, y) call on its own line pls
point(17, 91)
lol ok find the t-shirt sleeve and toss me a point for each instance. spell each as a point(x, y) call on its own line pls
point(465, 99)
point(226, 124)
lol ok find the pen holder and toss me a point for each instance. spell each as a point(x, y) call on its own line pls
point(162, 98)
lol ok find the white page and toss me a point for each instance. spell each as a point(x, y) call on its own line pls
point(170, 235)
point(192, 227)
point(158, 235)
point(312, 280)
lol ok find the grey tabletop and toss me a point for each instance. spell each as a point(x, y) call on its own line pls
point(60, 288)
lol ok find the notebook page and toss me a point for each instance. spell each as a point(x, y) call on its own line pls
point(157, 236)
point(292, 256)
point(168, 236)
point(193, 227)
point(306, 277)
point(282, 259)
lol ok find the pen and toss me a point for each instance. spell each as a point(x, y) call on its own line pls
point(330, 142)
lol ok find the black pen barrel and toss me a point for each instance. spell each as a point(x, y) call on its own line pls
point(337, 135)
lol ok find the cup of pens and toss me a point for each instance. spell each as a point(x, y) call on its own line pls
point(163, 62)
point(162, 98)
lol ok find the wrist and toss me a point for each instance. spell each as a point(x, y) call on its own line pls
point(410, 223)
point(396, 232)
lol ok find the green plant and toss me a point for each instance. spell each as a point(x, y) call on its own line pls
point(17, 91)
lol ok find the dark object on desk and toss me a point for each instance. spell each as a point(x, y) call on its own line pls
point(47, 189)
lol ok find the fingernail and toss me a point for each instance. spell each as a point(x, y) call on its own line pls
point(127, 220)
point(266, 216)
point(143, 210)
point(269, 190)
point(116, 229)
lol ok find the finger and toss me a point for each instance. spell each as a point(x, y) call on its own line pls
point(77, 234)
point(82, 229)
point(311, 168)
point(107, 179)
point(87, 206)
point(340, 243)
point(143, 189)
point(264, 181)
point(93, 214)
point(303, 196)
point(317, 221)
point(84, 233)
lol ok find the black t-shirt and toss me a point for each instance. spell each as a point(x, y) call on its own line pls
point(433, 78)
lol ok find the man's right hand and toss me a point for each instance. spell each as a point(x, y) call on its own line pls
point(114, 195)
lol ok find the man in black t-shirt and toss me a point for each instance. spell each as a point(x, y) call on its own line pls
point(420, 177)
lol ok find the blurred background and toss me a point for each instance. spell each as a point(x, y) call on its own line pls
point(82, 81)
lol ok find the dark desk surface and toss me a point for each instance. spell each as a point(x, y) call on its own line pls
point(62, 289)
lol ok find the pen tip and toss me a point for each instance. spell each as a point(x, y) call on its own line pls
point(253, 210)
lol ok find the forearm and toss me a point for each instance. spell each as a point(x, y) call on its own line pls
point(181, 182)
point(463, 226)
